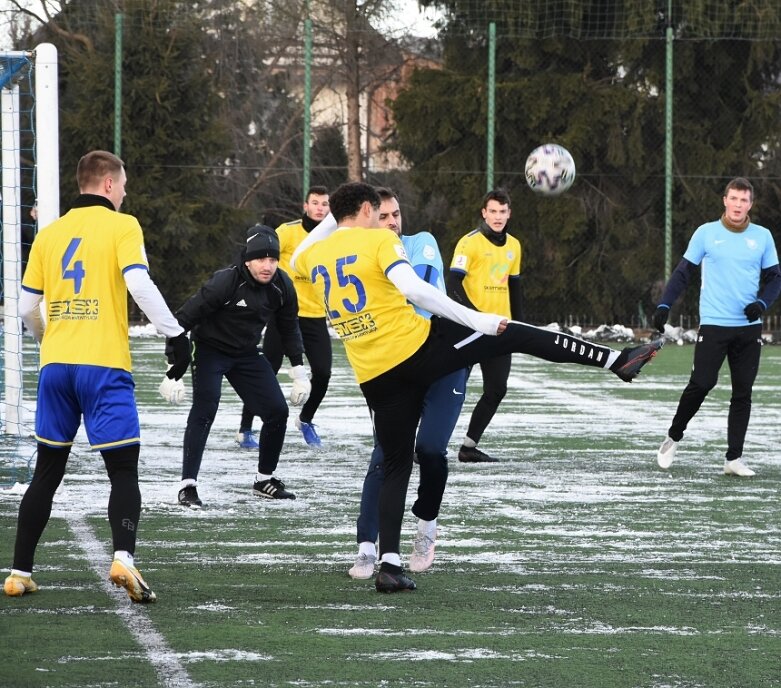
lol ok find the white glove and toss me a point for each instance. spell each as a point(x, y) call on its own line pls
point(173, 391)
point(301, 385)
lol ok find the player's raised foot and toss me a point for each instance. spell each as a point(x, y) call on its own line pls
point(247, 440)
point(666, 453)
point(128, 577)
point(737, 467)
point(309, 433)
point(273, 488)
point(188, 496)
point(422, 556)
point(631, 360)
point(16, 585)
point(474, 455)
point(363, 568)
point(392, 579)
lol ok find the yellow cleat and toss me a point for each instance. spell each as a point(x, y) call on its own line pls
point(16, 585)
point(128, 577)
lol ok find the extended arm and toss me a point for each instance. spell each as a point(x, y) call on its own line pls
point(323, 230)
point(430, 298)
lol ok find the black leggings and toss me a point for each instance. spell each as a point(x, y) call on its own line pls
point(124, 504)
point(495, 373)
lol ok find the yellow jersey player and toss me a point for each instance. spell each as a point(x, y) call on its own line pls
point(83, 265)
point(485, 275)
point(362, 274)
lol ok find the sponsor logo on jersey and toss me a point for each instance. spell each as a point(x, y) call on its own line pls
point(74, 309)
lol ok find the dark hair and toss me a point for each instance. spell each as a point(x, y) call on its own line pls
point(317, 191)
point(347, 200)
point(498, 195)
point(740, 184)
point(386, 193)
point(95, 166)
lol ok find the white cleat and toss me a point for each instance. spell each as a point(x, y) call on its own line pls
point(363, 568)
point(422, 552)
point(737, 467)
point(666, 453)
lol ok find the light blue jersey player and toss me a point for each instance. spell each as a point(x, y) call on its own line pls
point(441, 408)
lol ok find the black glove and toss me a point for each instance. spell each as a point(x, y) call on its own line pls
point(659, 317)
point(754, 310)
point(177, 351)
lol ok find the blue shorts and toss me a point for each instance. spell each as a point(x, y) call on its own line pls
point(104, 396)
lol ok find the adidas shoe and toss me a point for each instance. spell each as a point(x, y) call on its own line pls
point(363, 568)
point(392, 579)
point(16, 585)
point(631, 360)
point(737, 467)
point(666, 453)
point(247, 439)
point(128, 577)
point(474, 455)
point(310, 434)
point(188, 496)
point(422, 552)
point(273, 488)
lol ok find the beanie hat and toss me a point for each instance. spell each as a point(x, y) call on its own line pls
point(262, 242)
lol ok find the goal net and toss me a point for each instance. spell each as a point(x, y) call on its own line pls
point(30, 198)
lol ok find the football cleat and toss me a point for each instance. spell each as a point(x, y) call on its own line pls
point(631, 360)
point(247, 439)
point(16, 585)
point(363, 568)
point(474, 455)
point(188, 496)
point(310, 434)
point(666, 453)
point(737, 467)
point(392, 579)
point(128, 577)
point(422, 552)
point(272, 488)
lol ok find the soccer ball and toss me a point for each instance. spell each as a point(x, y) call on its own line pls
point(550, 169)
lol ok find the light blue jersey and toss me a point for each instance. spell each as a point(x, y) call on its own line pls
point(423, 253)
point(731, 266)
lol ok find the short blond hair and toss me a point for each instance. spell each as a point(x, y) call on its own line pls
point(96, 166)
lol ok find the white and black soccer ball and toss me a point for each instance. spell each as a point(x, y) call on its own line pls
point(550, 169)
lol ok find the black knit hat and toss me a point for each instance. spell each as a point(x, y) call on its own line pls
point(262, 242)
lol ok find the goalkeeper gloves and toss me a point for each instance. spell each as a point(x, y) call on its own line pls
point(659, 317)
point(301, 385)
point(172, 391)
point(754, 310)
point(177, 351)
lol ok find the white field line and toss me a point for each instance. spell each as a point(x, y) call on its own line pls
point(165, 661)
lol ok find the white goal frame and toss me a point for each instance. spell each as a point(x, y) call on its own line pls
point(46, 146)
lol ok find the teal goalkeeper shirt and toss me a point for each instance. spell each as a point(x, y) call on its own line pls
point(731, 266)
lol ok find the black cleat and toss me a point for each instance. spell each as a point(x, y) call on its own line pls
point(273, 488)
point(631, 360)
point(188, 496)
point(474, 455)
point(392, 579)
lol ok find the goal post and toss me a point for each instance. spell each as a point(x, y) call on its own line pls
point(30, 179)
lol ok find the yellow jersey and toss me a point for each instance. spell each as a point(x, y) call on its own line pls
point(487, 269)
point(291, 234)
point(77, 263)
point(379, 328)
